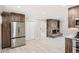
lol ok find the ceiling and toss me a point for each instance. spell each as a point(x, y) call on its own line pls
point(24, 8)
point(37, 11)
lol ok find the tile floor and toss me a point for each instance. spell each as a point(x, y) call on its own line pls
point(48, 45)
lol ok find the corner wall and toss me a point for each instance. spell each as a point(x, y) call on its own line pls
point(1, 10)
point(0, 31)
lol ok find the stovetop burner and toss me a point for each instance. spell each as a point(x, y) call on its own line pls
point(77, 36)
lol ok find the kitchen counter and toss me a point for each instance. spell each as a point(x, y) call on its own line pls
point(71, 37)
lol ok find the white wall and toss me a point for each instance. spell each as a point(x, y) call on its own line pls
point(1, 8)
point(30, 29)
point(0, 31)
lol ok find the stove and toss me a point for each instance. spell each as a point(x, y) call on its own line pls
point(77, 45)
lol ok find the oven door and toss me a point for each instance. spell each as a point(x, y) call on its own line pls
point(77, 23)
point(77, 46)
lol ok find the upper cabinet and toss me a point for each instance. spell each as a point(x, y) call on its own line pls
point(73, 13)
point(17, 17)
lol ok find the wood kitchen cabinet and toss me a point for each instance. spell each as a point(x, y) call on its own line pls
point(68, 45)
point(17, 17)
point(73, 12)
point(7, 18)
point(5, 30)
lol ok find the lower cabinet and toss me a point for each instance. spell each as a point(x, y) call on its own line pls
point(68, 45)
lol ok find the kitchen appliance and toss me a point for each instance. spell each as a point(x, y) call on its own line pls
point(77, 22)
point(17, 34)
point(77, 42)
point(77, 36)
point(77, 45)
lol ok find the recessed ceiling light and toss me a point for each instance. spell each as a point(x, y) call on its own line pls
point(64, 5)
point(18, 6)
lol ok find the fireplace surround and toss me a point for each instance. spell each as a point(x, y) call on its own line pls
point(53, 28)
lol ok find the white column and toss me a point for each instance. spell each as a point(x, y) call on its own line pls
point(0, 31)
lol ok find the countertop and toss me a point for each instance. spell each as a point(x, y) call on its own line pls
point(71, 37)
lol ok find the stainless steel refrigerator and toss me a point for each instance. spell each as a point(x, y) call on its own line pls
point(17, 34)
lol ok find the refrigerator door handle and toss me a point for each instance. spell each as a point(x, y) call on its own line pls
point(18, 30)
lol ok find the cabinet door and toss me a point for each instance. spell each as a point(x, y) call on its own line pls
point(15, 18)
point(5, 31)
point(72, 14)
point(6, 42)
point(68, 45)
point(22, 18)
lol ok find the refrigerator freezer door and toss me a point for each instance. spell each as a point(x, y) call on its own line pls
point(17, 42)
point(17, 29)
